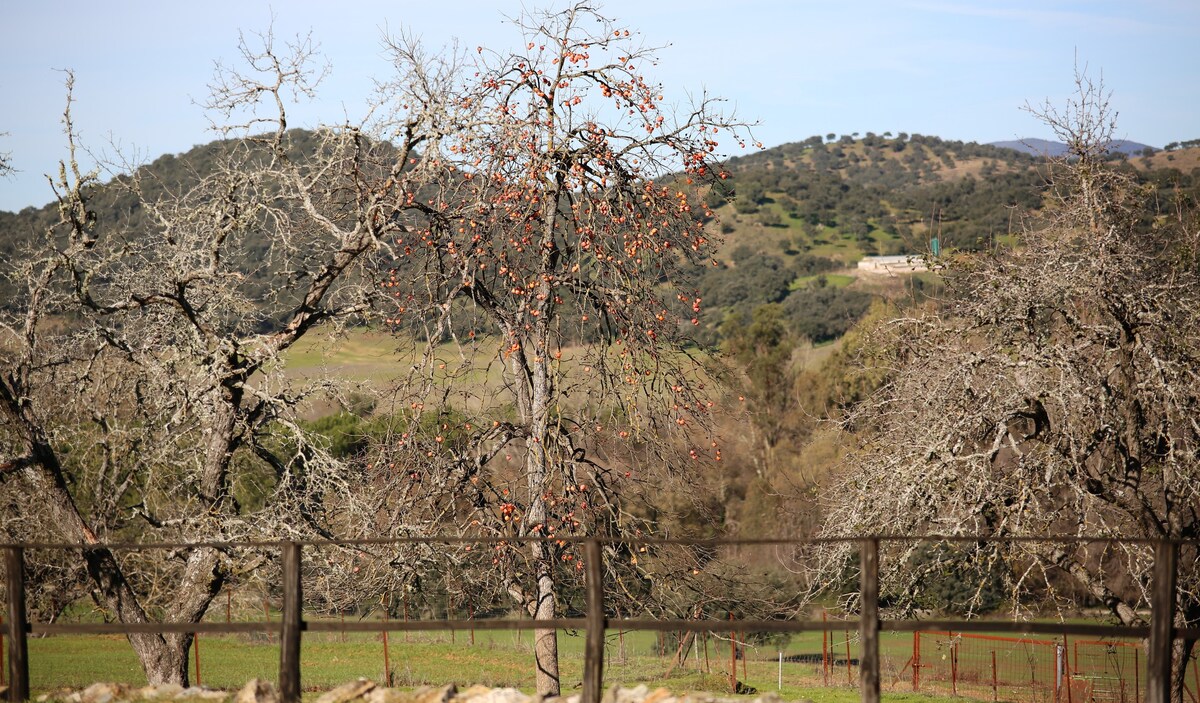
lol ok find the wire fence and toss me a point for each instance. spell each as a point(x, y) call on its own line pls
point(1101, 664)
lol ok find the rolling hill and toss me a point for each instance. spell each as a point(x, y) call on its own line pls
point(794, 218)
point(1044, 147)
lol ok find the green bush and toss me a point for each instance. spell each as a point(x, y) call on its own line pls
point(823, 314)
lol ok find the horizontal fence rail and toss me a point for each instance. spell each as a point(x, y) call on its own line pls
point(1161, 632)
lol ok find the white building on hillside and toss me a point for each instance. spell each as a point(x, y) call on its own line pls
point(892, 265)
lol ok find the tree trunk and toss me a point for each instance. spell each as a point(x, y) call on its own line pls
point(1181, 653)
point(534, 389)
point(542, 607)
point(545, 641)
point(164, 658)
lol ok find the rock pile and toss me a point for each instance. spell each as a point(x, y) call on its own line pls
point(366, 691)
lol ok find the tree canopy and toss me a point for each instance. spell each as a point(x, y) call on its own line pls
point(1053, 392)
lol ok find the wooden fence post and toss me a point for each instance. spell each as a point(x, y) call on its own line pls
point(290, 626)
point(868, 623)
point(1162, 617)
point(593, 654)
point(18, 628)
point(18, 651)
point(953, 665)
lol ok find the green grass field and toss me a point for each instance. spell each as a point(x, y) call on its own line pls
point(362, 355)
point(502, 658)
point(833, 280)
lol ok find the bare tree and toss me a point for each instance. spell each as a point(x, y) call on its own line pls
point(171, 348)
point(544, 282)
point(1054, 392)
point(6, 167)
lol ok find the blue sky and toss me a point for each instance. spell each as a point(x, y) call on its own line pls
point(950, 68)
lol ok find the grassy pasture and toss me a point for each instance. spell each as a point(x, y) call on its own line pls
point(504, 658)
point(833, 280)
point(496, 659)
point(363, 355)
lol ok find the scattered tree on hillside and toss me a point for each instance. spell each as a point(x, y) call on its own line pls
point(1054, 393)
point(763, 347)
point(6, 167)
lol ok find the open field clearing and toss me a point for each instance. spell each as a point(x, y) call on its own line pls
point(815, 667)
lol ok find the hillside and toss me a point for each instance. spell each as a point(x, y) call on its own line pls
point(1185, 160)
point(794, 218)
point(877, 195)
point(1045, 147)
point(118, 206)
point(799, 216)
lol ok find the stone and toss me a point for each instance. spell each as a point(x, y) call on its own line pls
point(104, 693)
point(367, 691)
point(387, 695)
point(429, 694)
point(257, 691)
point(659, 695)
point(162, 690)
point(472, 693)
point(500, 695)
point(619, 694)
point(348, 691)
point(199, 693)
point(56, 696)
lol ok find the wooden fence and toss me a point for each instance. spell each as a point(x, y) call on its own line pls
point(1161, 631)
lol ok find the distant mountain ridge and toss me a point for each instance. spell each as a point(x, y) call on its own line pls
point(1045, 147)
